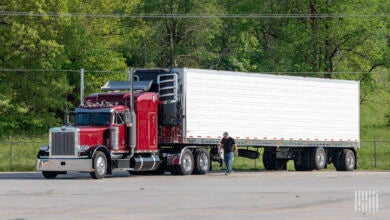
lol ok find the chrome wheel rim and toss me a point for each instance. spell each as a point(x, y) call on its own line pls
point(321, 159)
point(350, 161)
point(100, 165)
point(203, 161)
point(187, 163)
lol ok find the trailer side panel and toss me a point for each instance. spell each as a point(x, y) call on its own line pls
point(270, 108)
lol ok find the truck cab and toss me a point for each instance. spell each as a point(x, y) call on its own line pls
point(105, 132)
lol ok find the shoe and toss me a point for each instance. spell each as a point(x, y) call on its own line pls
point(226, 173)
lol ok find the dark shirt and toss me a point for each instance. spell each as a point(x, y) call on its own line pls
point(227, 144)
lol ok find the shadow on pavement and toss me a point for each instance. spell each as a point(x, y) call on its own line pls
point(80, 176)
point(69, 176)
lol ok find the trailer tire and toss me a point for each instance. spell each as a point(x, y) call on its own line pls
point(267, 160)
point(319, 158)
point(280, 164)
point(99, 165)
point(337, 160)
point(270, 161)
point(186, 165)
point(49, 174)
point(202, 162)
point(346, 160)
point(302, 160)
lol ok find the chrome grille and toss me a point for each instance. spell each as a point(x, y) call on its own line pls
point(62, 143)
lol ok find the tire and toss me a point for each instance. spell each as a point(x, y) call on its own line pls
point(202, 162)
point(346, 160)
point(337, 160)
point(319, 158)
point(270, 161)
point(303, 160)
point(267, 160)
point(186, 165)
point(99, 165)
point(298, 161)
point(280, 164)
point(49, 174)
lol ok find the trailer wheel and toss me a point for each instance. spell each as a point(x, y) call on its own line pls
point(99, 165)
point(49, 174)
point(319, 158)
point(270, 161)
point(202, 162)
point(337, 160)
point(267, 160)
point(186, 165)
point(345, 160)
point(302, 160)
point(280, 164)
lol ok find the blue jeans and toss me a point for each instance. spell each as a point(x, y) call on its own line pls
point(228, 157)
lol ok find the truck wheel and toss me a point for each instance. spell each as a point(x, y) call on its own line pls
point(267, 160)
point(280, 164)
point(302, 161)
point(319, 158)
point(99, 165)
point(49, 174)
point(186, 165)
point(202, 162)
point(346, 160)
point(270, 161)
point(337, 160)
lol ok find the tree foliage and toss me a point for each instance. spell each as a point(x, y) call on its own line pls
point(35, 100)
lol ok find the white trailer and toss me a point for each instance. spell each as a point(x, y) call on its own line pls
point(313, 121)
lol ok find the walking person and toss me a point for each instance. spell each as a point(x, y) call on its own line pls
point(229, 149)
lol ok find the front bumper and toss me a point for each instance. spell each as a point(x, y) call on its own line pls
point(64, 164)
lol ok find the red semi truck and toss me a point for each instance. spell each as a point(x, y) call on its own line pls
point(172, 120)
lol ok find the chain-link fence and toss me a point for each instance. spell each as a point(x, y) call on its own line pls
point(18, 155)
point(21, 155)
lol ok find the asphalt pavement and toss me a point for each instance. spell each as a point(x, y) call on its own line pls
point(242, 195)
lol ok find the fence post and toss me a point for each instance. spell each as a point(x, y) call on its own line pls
point(10, 155)
point(374, 152)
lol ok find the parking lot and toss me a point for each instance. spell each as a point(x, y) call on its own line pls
point(242, 195)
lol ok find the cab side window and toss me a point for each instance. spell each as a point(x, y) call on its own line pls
point(119, 118)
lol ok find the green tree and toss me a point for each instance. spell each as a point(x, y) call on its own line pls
point(31, 43)
point(176, 41)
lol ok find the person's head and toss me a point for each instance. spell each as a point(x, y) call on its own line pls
point(225, 134)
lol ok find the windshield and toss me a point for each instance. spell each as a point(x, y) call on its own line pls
point(91, 118)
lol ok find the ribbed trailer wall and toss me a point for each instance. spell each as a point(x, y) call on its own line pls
point(262, 108)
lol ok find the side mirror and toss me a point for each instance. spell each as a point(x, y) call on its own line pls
point(128, 120)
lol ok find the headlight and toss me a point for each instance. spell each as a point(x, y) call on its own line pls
point(45, 148)
point(84, 148)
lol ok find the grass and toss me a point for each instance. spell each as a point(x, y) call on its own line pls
point(20, 154)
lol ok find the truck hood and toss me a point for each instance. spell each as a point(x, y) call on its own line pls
point(93, 136)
